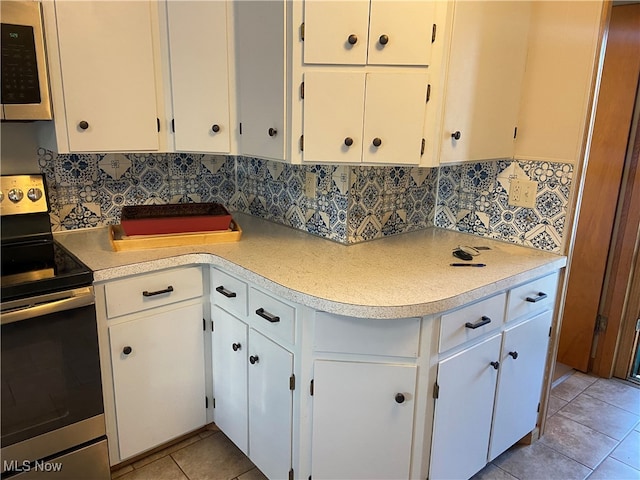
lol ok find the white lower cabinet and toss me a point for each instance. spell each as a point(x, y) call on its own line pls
point(229, 345)
point(252, 392)
point(462, 422)
point(522, 360)
point(362, 420)
point(488, 389)
point(158, 377)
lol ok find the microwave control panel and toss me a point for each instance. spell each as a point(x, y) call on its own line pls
point(19, 65)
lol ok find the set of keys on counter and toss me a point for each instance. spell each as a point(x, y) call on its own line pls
point(464, 252)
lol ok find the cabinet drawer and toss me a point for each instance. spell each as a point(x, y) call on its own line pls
point(229, 293)
point(340, 334)
point(532, 297)
point(471, 321)
point(272, 317)
point(152, 290)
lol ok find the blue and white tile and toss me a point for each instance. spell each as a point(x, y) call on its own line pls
point(295, 217)
point(215, 163)
point(478, 176)
point(444, 217)
point(543, 237)
point(369, 229)
point(76, 169)
point(77, 216)
point(114, 166)
point(46, 164)
point(473, 222)
point(396, 179)
point(274, 169)
point(394, 223)
point(340, 178)
point(508, 171)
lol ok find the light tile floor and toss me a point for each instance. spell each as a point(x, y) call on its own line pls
point(593, 431)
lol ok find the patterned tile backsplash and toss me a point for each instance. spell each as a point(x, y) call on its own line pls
point(346, 204)
point(474, 198)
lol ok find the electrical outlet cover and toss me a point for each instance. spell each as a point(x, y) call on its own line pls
point(522, 193)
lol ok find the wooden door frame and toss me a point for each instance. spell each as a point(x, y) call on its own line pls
point(621, 294)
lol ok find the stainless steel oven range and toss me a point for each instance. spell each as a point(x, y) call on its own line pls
point(51, 393)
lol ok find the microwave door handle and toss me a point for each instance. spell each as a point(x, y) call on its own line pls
point(79, 299)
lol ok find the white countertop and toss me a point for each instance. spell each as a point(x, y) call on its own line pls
point(400, 276)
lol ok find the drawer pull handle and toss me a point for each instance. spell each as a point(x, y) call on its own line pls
point(225, 292)
point(399, 398)
point(127, 350)
point(495, 365)
point(483, 321)
point(267, 316)
point(253, 359)
point(513, 354)
point(169, 289)
point(236, 346)
point(541, 296)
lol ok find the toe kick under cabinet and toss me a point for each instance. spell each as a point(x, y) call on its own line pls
point(152, 348)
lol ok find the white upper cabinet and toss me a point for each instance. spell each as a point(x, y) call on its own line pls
point(261, 77)
point(103, 82)
point(356, 117)
point(484, 80)
point(368, 32)
point(363, 98)
point(198, 58)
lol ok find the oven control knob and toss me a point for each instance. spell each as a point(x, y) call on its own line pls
point(34, 194)
point(1, 196)
point(15, 195)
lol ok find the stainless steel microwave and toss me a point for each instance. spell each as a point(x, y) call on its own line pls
point(25, 83)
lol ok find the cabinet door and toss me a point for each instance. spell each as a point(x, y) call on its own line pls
point(360, 430)
point(107, 65)
point(484, 79)
point(199, 75)
point(333, 110)
point(270, 406)
point(394, 114)
point(159, 385)
point(230, 347)
point(400, 32)
point(523, 358)
point(336, 32)
point(261, 74)
point(462, 417)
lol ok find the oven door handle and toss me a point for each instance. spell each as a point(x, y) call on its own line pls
point(77, 298)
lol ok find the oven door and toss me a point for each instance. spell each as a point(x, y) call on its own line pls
point(51, 395)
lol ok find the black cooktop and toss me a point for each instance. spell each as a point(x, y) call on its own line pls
point(36, 268)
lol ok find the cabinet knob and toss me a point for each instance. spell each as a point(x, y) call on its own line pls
point(513, 354)
point(495, 365)
point(273, 132)
point(353, 39)
point(83, 125)
point(253, 359)
point(215, 128)
point(236, 346)
point(384, 39)
point(456, 135)
point(348, 141)
point(400, 398)
point(377, 142)
point(127, 350)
